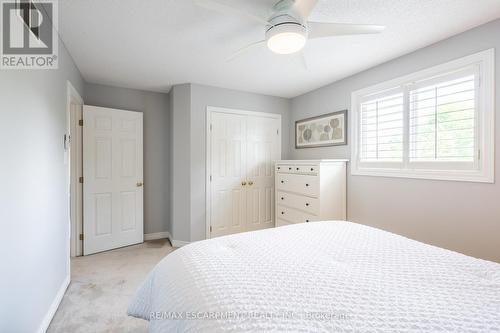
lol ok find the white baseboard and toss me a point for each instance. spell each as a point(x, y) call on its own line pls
point(178, 243)
point(53, 307)
point(157, 235)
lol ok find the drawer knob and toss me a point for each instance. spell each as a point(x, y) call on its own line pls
point(282, 198)
point(307, 184)
point(307, 220)
point(289, 168)
point(282, 182)
point(297, 169)
point(307, 203)
point(279, 168)
point(282, 213)
point(312, 169)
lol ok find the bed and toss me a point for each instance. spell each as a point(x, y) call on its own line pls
point(328, 276)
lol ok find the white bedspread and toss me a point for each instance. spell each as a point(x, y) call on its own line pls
point(319, 277)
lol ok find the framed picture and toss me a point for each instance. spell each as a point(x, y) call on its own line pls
point(322, 131)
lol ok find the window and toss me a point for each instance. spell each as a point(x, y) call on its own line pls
point(434, 124)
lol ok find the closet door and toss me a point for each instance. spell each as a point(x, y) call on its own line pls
point(243, 147)
point(228, 171)
point(263, 149)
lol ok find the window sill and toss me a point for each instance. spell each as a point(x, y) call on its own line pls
point(463, 176)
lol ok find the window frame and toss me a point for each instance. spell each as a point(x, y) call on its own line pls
point(483, 166)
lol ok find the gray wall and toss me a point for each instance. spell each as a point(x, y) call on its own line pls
point(34, 202)
point(155, 107)
point(190, 137)
point(460, 216)
point(181, 114)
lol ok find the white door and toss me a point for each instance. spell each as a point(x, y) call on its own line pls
point(228, 197)
point(112, 179)
point(263, 149)
point(243, 148)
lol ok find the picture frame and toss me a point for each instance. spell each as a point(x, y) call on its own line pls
point(322, 131)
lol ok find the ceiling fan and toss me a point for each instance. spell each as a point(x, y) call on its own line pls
point(287, 29)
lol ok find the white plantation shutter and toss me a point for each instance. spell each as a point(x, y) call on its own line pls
point(437, 123)
point(442, 115)
point(382, 128)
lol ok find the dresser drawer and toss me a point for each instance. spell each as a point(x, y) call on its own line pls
point(293, 215)
point(284, 168)
point(297, 169)
point(301, 184)
point(307, 204)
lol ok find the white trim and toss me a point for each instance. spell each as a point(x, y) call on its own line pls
point(486, 124)
point(312, 161)
point(75, 245)
point(54, 306)
point(243, 112)
point(178, 243)
point(157, 235)
point(208, 155)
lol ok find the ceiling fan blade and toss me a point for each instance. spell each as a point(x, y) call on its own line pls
point(319, 30)
point(224, 8)
point(244, 49)
point(304, 8)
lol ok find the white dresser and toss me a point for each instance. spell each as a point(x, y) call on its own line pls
point(310, 190)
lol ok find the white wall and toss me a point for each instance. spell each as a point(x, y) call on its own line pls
point(34, 214)
point(188, 223)
point(460, 216)
point(155, 107)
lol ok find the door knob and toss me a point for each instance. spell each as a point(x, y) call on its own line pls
point(139, 184)
point(250, 183)
point(243, 183)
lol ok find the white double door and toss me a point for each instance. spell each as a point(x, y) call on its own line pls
point(243, 148)
point(112, 178)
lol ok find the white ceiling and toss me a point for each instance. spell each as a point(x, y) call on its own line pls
point(154, 44)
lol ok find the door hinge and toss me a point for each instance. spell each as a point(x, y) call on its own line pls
point(80, 122)
point(278, 132)
point(81, 236)
point(210, 127)
point(210, 228)
point(210, 177)
point(479, 154)
point(80, 180)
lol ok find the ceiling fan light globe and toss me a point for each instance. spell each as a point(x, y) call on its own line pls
point(286, 38)
point(286, 43)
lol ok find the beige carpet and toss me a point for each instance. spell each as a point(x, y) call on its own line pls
point(102, 286)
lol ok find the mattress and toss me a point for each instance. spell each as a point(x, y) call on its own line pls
point(327, 276)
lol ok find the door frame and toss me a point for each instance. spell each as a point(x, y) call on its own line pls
point(208, 155)
point(75, 221)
